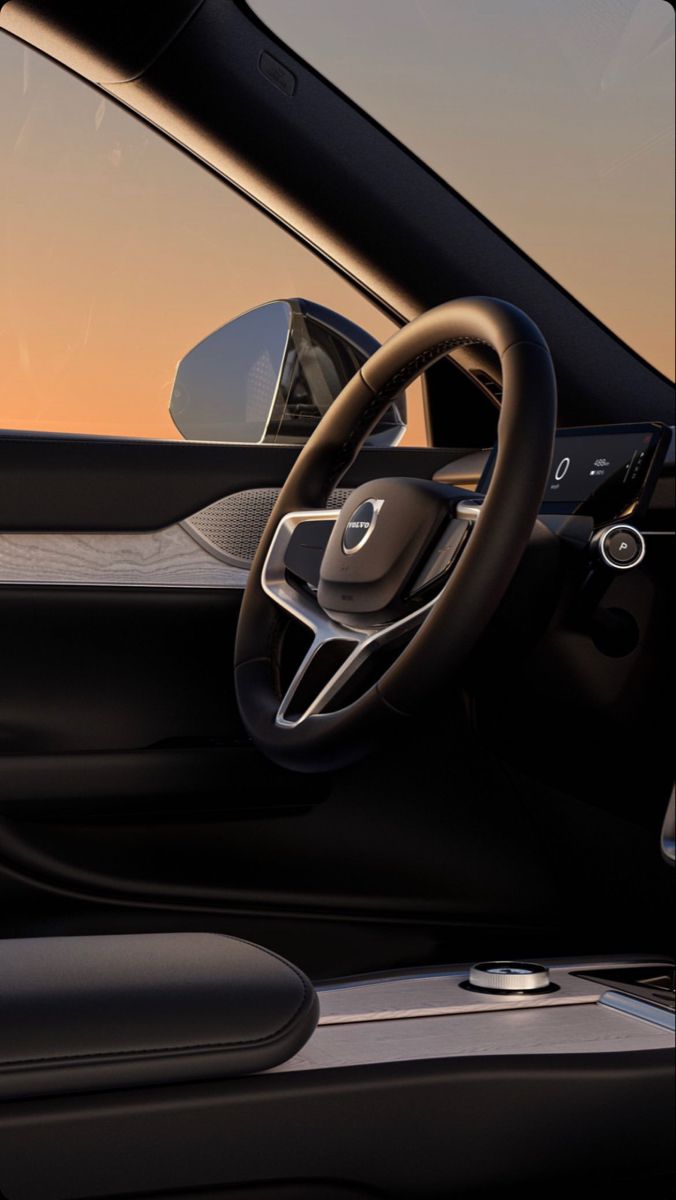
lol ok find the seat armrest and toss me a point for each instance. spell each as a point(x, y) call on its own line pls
point(90, 1013)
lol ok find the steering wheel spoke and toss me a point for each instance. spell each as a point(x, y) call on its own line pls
point(338, 652)
point(294, 595)
point(318, 679)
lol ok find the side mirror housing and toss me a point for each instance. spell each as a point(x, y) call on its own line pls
point(269, 376)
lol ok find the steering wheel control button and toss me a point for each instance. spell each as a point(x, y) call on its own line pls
point(443, 557)
point(509, 977)
point(620, 546)
point(361, 525)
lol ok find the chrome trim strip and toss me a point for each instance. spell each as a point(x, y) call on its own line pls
point(642, 1010)
point(668, 834)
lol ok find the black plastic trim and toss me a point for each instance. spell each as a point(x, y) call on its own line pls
point(245, 8)
point(66, 482)
point(416, 1129)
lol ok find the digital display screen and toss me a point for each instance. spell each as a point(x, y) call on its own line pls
point(582, 465)
point(599, 471)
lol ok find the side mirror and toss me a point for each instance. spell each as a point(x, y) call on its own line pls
point(271, 374)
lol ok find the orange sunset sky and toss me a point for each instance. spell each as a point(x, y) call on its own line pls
point(119, 253)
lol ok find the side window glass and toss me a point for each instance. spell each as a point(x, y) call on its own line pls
point(130, 273)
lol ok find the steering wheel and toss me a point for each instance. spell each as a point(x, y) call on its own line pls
point(394, 589)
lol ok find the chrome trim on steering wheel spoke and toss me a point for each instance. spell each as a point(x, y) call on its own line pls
point(468, 510)
point(302, 605)
point(274, 579)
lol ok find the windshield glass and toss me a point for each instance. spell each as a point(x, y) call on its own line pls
point(556, 120)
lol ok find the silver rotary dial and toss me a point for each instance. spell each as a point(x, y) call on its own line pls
point(509, 976)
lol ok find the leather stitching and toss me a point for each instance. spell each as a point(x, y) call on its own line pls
point(400, 380)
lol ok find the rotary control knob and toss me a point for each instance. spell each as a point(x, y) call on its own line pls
point(620, 546)
point(508, 976)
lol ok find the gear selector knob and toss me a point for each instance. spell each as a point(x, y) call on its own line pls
point(509, 977)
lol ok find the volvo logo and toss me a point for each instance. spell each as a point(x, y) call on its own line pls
point(361, 525)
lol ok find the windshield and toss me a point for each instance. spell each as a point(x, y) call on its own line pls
point(555, 120)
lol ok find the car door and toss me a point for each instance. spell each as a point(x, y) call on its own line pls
point(130, 797)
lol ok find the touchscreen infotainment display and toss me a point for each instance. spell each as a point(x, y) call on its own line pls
point(601, 471)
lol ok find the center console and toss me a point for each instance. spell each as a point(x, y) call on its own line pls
point(507, 1008)
point(177, 1065)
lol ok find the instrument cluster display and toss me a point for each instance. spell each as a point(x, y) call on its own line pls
point(604, 472)
point(582, 465)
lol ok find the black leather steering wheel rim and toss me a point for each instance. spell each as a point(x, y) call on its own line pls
point(471, 595)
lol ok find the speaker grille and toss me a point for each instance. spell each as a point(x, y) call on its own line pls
point(231, 528)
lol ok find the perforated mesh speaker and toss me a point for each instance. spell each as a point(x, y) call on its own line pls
point(231, 528)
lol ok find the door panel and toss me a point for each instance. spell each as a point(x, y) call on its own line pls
point(60, 483)
point(96, 670)
point(126, 781)
point(131, 798)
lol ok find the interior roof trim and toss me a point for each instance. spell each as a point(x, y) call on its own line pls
point(132, 58)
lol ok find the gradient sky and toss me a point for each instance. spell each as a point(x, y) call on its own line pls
point(119, 253)
point(555, 118)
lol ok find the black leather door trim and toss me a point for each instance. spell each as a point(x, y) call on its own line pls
point(448, 1126)
point(52, 482)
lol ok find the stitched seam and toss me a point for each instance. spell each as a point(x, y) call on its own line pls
point(9, 1064)
point(94, 1055)
point(411, 368)
point(400, 379)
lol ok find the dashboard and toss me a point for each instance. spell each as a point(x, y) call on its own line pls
point(606, 472)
